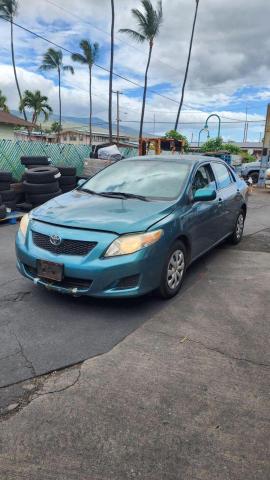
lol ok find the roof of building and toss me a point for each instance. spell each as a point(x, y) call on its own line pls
point(85, 131)
point(9, 119)
point(248, 144)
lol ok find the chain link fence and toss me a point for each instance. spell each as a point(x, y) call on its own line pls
point(60, 154)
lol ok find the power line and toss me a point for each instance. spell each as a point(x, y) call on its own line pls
point(37, 35)
point(87, 22)
point(105, 69)
point(132, 82)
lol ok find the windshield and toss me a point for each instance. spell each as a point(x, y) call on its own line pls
point(156, 179)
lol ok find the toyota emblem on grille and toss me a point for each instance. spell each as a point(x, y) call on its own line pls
point(55, 240)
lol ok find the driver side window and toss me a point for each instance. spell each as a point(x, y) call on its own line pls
point(204, 178)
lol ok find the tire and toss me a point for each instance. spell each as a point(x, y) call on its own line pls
point(5, 176)
point(42, 175)
point(237, 235)
point(42, 198)
point(255, 177)
point(38, 188)
point(67, 180)
point(3, 212)
point(171, 284)
point(8, 196)
point(67, 171)
point(38, 160)
point(4, 186)
point(68, 188)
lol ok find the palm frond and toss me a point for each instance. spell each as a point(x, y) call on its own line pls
point(8, 9)
point(52, 59)
point(77, 57)
point(68, 68)
point(135, 35)
point(141, 19)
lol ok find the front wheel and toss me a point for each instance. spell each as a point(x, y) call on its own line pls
point(238, 229)
point(173, 272)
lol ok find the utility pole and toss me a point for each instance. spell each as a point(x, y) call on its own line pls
point(245, 128)
point(266, 149)
point(118, 115)
point(187, 66)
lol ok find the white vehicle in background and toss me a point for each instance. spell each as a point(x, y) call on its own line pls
point(267, 178)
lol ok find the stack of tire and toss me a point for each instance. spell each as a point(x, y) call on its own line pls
point(35, 161)
point(41, 184)
point(67, 180)
point(8, 196)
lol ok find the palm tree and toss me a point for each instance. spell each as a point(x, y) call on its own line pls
point(187, 66)
point(8, 10)
point(89, 56)
point(36, 102)
point(111, 72)
point(149, 24)
point(3, 103)
point(53, 60)
point(55, 127)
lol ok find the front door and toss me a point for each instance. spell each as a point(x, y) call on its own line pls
point(204, 215)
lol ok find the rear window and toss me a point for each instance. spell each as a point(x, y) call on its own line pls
point(222, 174)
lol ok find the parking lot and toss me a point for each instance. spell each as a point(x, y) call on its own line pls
point(95, 389)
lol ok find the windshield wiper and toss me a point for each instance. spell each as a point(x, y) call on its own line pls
point(92, 192)
point(124, 195)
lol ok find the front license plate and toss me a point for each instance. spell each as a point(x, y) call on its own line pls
point(50, 270)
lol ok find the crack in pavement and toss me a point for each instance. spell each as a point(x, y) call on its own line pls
point(14, 297)
point(185, 338)
point(50, 392)
point(28, 363)
point(33, 394)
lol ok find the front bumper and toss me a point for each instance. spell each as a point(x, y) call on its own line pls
point(92, 274)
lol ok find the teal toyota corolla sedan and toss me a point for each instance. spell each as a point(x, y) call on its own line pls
point(134, 227)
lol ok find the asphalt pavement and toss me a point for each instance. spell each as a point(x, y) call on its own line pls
point(170, 390)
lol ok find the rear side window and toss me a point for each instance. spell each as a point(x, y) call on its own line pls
point(222, 174)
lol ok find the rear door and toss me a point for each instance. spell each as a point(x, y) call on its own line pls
point(228, 198)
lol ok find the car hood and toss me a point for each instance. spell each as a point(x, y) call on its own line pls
point(82, 210)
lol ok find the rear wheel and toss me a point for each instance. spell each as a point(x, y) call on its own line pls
point(238, 229)
point(173, 271)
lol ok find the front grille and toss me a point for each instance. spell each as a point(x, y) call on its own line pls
point(66, 247)
point(67, 282)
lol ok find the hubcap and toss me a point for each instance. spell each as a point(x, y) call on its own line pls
point(176, 269)
point(239, 226)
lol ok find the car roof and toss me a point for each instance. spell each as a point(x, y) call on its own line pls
point(193, 159)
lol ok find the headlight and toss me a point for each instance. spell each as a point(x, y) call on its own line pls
point(132, 243)
point(24, 224)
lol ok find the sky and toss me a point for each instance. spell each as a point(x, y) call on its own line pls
point(229, 70)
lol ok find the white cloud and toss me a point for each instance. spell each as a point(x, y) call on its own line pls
point(231, 50)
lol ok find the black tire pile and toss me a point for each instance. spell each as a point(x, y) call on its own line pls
point(41, 184)
point(67, 181)
point(7, 195)
point(35, 161)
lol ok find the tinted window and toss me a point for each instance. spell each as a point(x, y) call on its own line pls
point(162, 179)
point(203, 178)
point(222, 175)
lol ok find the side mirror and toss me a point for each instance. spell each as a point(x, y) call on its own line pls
point(81, 182)
point(205, 195)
